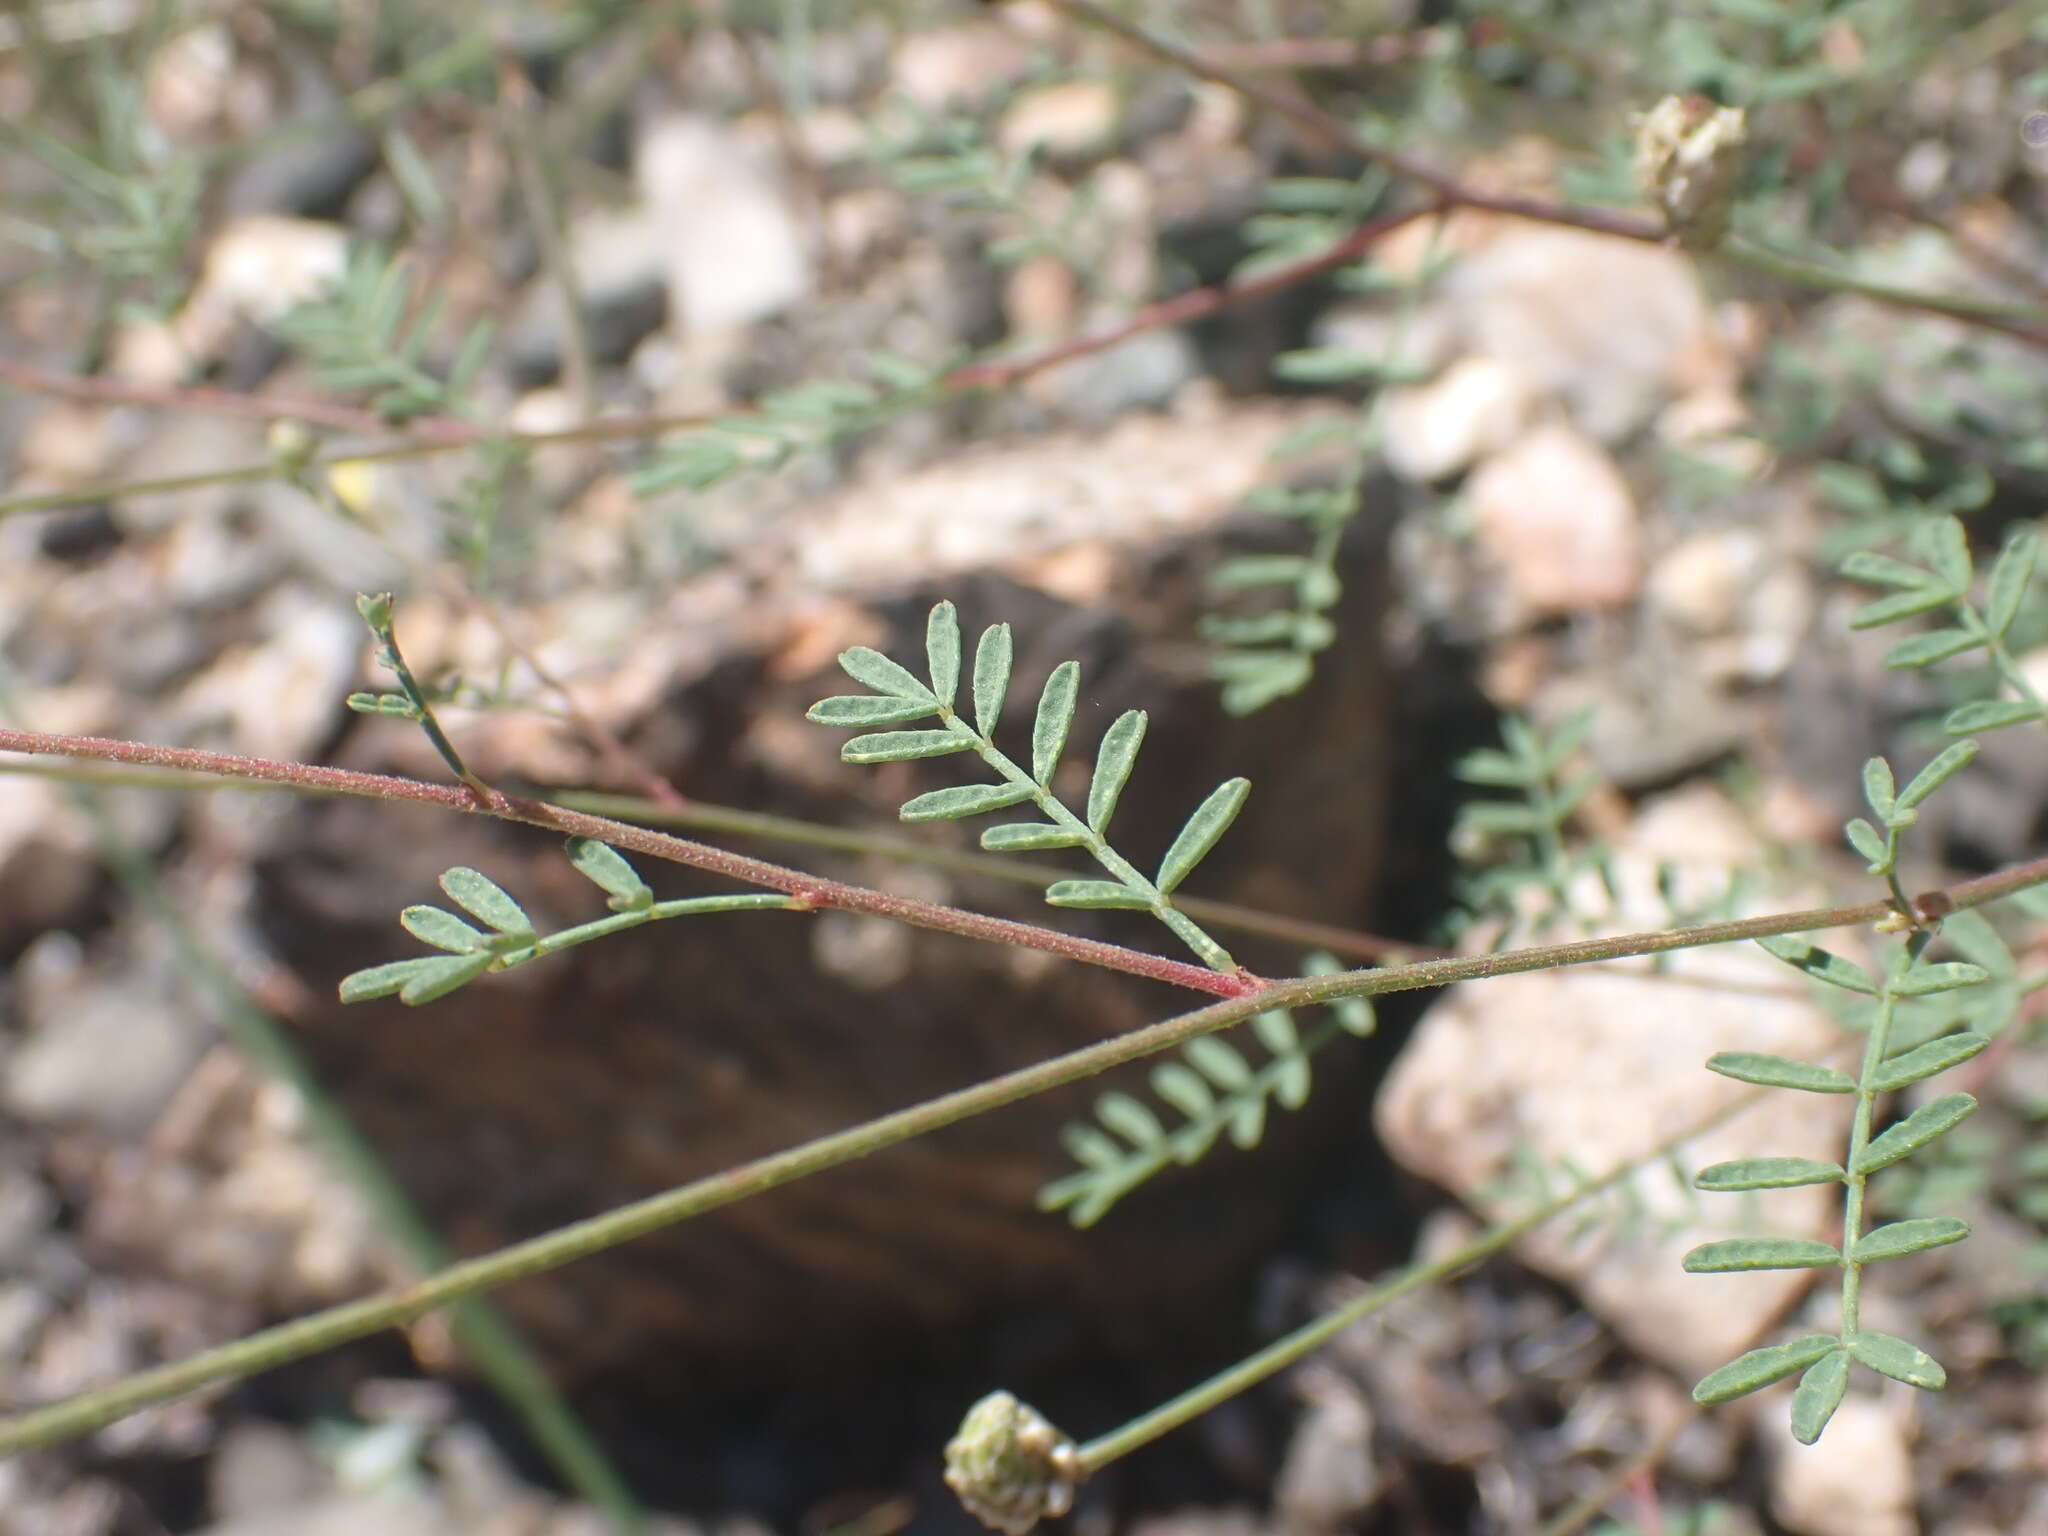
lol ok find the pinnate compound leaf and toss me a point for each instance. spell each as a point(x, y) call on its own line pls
point(869, 709)
point(1097, 895)
point(1211, 819)
point(601, 863)
point(1736, 1254)
point(1988, 715)
point(991, 677)
point(1883, 571)
point(1760, 1367)
point(2009, 578)
point(1818, 1395)
point(1950, 761)
point(1822, 965)
point(443, 930)
point(901, 746)
point(1925, 1061)
point(1055, 717)
point(1899, 1238)
point(1767, 1173)
point(484, 898)
point(1028, 837)
point(1901, 1361)
point(1915, 1131)
point(1944, 976)
point(942, 651)
point(1113, 763)
point(865, 665)
point(1935, 645)
point(963, 800)
point(1779, 1072)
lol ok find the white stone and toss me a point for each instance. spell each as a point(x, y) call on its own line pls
point(1597, 1066)
point(1475, 407)
point(1075, 117)
point(1613, 328)
point(1554, 511)
point(258, 267)
point(734, 248)
point(1701, 583)
point(1856, 1480)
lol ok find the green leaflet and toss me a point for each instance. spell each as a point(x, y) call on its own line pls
point(1935, 645)
point(1915, 1131)
point(991, 677)
point(869, 709)
point(1779, 1072)
point(1900, 605)
point(1767, 1173)
point(1946, 764)
point(1947, 976)
point(2009, 578)
point(1926, 1060)
point(1055, 716)
point(1736, 1254)
point(1899, 1360)
point(483, 898)
point(1760, 1367)
point(1820, 964)
point(1818, 1396)
point(1899, 1238)
point(1028, 837)
point(1096, 895)
point(963, 800)
point(443, 930)
point(1988, 715)
point(1869, 842)
point(1879, 788)
point(942, 651)
point(901, 746)
point(1948, 548)
point(601, 863)
point(1211, 819)
point(1113, 764)
point(883, 675)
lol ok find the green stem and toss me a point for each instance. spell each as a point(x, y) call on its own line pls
point(1214, 955)
point(1306, 1340)
point(569, 938)
point(376, 612)
point(1875, 1048)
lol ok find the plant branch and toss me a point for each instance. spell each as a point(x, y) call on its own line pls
point(2026, 323)
point(813, 892)
point(1306, 1340)
point(89, 1411)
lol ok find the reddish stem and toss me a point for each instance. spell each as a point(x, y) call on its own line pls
point(815, 891)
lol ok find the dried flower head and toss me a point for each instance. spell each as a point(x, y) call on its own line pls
point(1688, 154)
point(1009, 1466)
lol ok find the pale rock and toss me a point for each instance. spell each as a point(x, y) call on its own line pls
point(392, 1512)
point(1143, 373)
point(1701, 583)
point(1714, 424)
point(185, 88)
point(1041, 299)
point(1426, 340)
point(104, 1047)
point(259, 1467)
point(1328, 1478)
point(279, 695)
point(1856, 1480)
point(258, 267)
point(1554, 511)
point(1601, 1066)
point(1613, 328)
point(1065, 121)
point(1475, 407)
point(938, 67)
point(46, 865)
point(616, 257)
point(734, 248)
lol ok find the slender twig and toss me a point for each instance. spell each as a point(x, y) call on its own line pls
point(442, 434)
point(2027, 323)
point(261, 1351)
point(814, 891)
point(537, 190)
point(1310, 1337)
